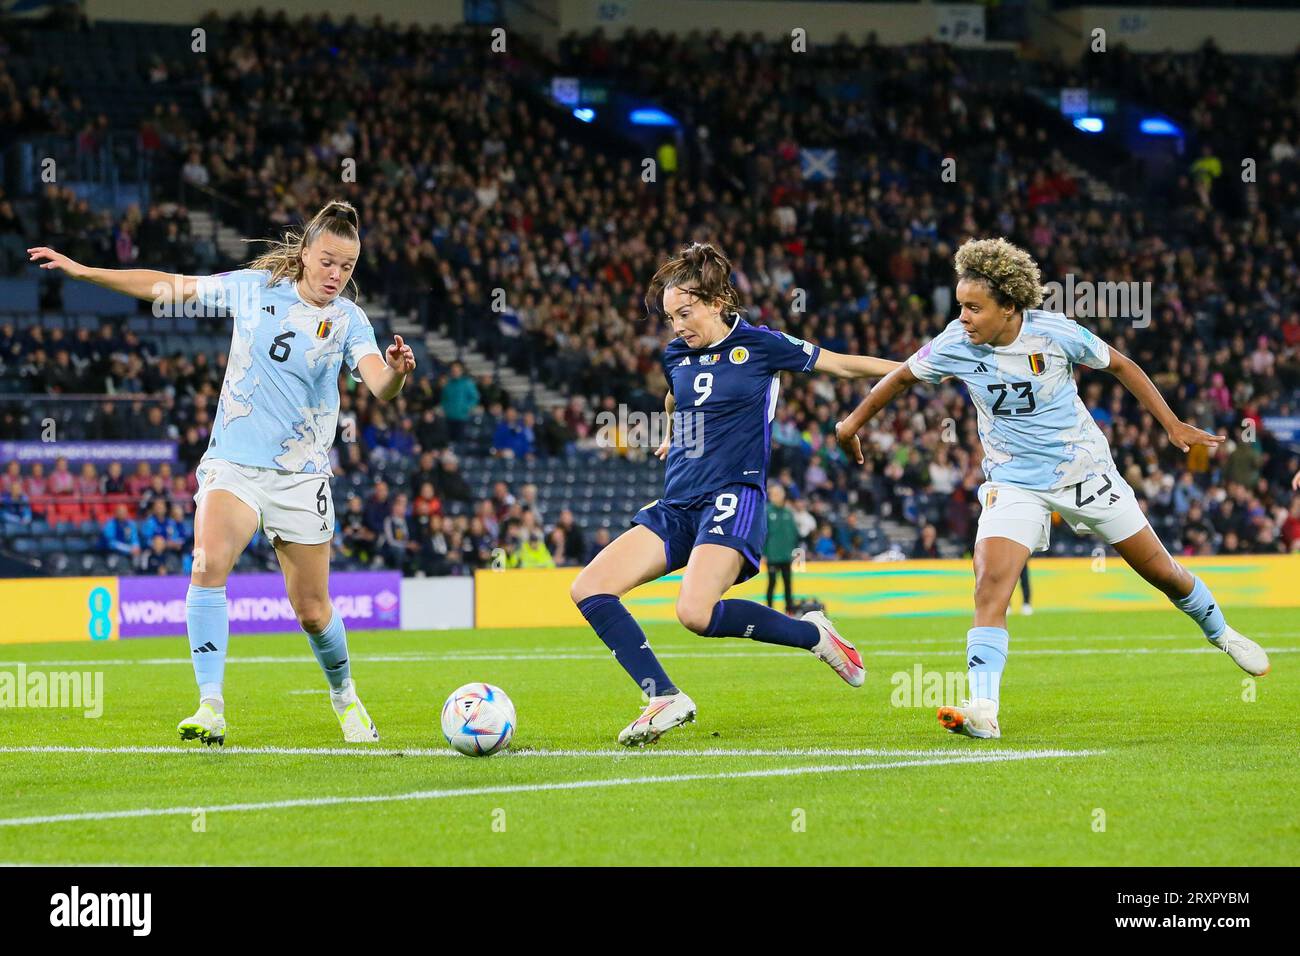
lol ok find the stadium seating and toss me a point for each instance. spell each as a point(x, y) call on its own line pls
point(870, 247)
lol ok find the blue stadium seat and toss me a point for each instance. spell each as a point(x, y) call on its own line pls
point(19, 295)
point(83, 297)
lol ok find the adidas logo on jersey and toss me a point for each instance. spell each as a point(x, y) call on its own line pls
point(685, 361)
point(981, 367)
point(269, 308)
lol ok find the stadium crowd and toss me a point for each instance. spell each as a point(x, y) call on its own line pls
point(469, 183)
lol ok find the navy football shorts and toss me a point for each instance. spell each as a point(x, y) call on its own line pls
point(734, 516)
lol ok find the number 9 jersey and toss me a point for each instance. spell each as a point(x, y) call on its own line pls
point(279, 402)
point(725, 396)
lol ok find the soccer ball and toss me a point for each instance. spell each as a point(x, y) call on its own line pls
point(478, 720)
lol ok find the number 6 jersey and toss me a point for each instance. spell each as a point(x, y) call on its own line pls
point(725, 396)
point(279, 402)
point(1036, 431)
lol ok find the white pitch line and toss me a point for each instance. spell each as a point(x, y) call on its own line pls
point(998, 757)
point(788, 752)
point(775, 653)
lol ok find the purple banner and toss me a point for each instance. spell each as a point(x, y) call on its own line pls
point(155, 606)
point(81, 451)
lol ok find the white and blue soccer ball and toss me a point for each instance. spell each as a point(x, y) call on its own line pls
point(478, 719)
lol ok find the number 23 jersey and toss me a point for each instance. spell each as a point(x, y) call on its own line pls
point(725, 396)
point(1036, 431)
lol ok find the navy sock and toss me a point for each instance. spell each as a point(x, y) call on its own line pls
point(622, 635)
point(761, 623)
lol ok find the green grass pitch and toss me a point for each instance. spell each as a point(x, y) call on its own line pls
point(1127, 740)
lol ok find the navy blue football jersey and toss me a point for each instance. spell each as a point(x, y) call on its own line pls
point(725, 397)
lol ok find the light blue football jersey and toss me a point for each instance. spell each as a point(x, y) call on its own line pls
point(1036, 431)
point(279, 403)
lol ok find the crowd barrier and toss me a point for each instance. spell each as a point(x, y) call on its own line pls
point(39, 610)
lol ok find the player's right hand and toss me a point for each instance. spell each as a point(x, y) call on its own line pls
point(1295, 482)
point(849, 442)
point(662, 451)
point(55, 260)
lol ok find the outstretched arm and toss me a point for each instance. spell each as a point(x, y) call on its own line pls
point(145, 284)
point(670, 405)
point(1181, 434)
point(886, 390)
point(853, 366)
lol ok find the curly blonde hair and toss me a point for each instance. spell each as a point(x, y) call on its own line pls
point(1010, 273)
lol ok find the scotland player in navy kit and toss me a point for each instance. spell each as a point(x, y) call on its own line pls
point(267, 464)
point(724, 383)
point(1042, 453)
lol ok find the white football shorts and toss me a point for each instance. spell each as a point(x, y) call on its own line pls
point(293, 507)
point(1104, 505)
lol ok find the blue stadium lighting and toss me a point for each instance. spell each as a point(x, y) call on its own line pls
point(1090, 124)
point(651, 117)
point(584, 114)
point(1156, 126)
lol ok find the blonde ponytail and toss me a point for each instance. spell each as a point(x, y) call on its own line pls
point(284, 257)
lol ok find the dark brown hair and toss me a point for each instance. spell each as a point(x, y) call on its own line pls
point(700, 270)
point(284, 258)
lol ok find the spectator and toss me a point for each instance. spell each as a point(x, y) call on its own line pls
point(459, 398)
point(927, 543)
point(159, 559)
point(358, 538)
point(120, 534)
point(396, 543)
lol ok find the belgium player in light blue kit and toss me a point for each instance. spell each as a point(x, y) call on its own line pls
point(267, 463)
point(1042, 453)
point(724, 378)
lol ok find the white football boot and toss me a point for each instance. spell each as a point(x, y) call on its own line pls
point(357, 726)
point(974, 718)
point(836, 651)
point(658, 717)
point(207, 725)
point(1248, 655)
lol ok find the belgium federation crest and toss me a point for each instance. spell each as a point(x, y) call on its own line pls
point(1037, 363)
point(323, 328)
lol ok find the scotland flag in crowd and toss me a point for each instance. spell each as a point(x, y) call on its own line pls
point(818, 165)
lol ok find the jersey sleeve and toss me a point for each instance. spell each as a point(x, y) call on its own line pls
point(1080, 345)
point(225, 290)
point(786, 353)
point(360, 342)
point(937, 359)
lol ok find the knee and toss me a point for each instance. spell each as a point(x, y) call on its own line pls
point(314, 615)
point(581, 588)
point(695, 616)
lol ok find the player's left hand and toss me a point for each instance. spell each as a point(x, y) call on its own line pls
point(1295, 482)
point(1184, 436)
point(399, 357)
point(851, 444)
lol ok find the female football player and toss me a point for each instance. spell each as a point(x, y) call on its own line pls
point(267, 464)
point(724, 381)
point(1042, 453)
